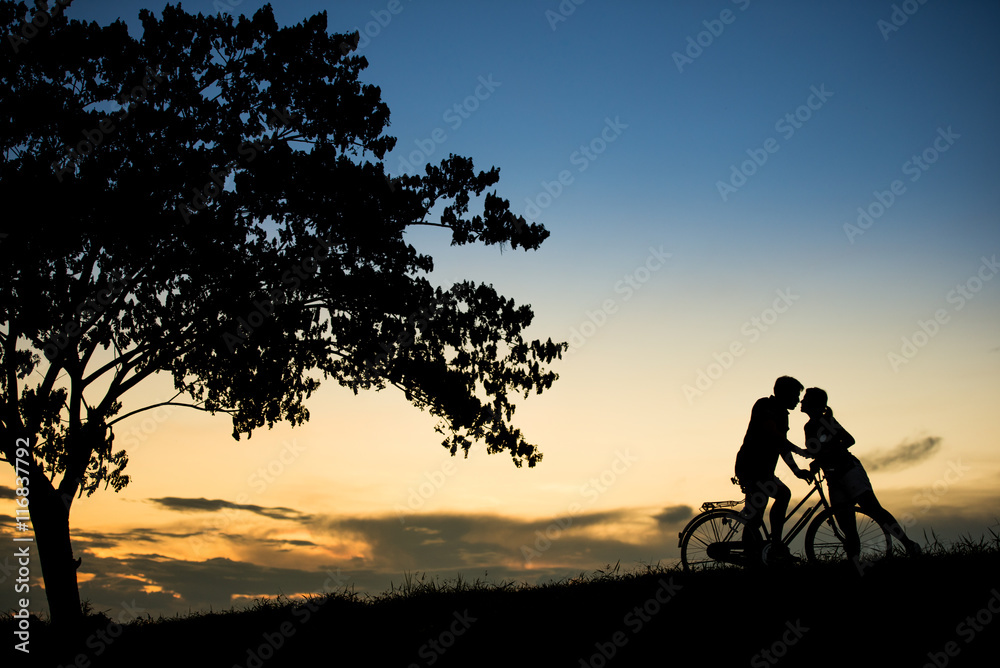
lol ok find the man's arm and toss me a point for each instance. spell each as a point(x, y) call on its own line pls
point(799, 473)
point(801, 452)
point(785, 449)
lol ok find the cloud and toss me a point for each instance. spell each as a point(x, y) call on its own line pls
point(673, 515)
point(903, 455)
point(139, 535)
point(217, 505)
point(165, 585)
point(143, 567)
point(451, 542)
point(276, 543)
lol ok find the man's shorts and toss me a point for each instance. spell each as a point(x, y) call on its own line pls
point(758, 491)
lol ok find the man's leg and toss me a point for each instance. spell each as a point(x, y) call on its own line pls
point(758, 493)
point(753, 512)
point(778, 491)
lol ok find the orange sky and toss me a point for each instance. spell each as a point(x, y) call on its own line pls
point(681, 307)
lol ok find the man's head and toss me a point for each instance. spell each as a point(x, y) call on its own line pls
point(786, 391)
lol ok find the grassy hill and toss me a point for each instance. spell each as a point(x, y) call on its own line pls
point(939, 609)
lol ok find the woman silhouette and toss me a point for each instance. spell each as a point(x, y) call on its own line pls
point(827, 442)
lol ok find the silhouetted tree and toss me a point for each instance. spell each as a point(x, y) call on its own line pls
point(210, 201)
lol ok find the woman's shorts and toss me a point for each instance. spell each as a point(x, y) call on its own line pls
point(849, 486)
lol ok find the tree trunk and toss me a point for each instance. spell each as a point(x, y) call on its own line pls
point(50, 521)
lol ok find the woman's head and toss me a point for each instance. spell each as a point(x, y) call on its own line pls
point(814, 401)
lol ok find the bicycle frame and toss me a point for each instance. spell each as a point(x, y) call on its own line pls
point(717, 535)
point(803, 521)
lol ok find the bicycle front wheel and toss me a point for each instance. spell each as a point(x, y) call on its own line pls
point(716, 527)
point(825, 538)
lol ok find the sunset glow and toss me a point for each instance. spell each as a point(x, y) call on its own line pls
point(810, 195)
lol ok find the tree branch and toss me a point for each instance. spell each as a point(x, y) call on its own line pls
point(122, 359)
point(170, 403)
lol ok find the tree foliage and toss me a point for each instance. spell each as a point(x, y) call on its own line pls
point(210, 201)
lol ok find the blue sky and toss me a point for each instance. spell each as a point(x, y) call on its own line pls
point(559, 81)
point(670, 135)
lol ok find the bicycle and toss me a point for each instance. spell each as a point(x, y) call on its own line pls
point(717, 537)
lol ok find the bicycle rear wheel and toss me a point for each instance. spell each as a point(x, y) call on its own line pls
point(721, 528)
point(825, 538)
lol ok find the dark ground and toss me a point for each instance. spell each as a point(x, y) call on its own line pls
point(934, 610)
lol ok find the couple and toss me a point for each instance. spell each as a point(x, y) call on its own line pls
point(826, 443)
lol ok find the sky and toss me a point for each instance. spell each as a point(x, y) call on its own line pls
point(735, 191)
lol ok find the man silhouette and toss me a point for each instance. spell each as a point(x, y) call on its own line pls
point(766, 440)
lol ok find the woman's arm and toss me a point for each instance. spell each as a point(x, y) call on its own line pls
point(841, 435)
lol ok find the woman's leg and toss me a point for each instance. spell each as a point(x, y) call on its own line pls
point(869, 503)
point(844, 514)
